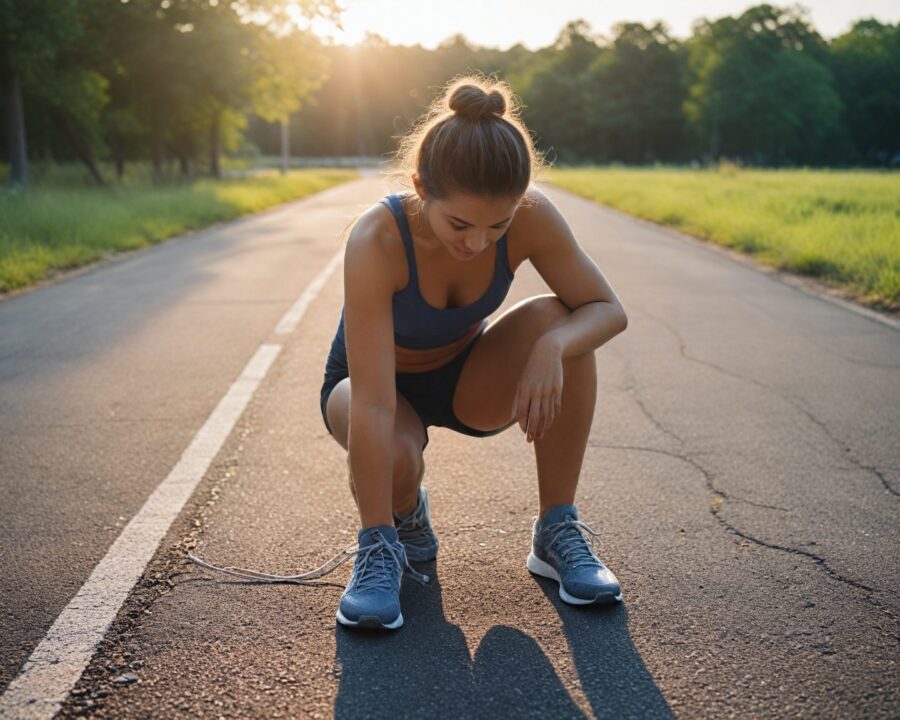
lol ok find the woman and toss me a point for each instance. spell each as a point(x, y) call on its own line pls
point(413, 348)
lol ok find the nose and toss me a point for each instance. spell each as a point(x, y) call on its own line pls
point(477, 242)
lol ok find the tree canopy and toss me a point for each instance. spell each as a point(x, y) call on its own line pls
point(185, 80)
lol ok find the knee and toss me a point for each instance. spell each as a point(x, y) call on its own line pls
point(408, 462)
point(547, 310)
point(580, 368)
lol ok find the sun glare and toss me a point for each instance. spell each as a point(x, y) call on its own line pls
point(503, 24)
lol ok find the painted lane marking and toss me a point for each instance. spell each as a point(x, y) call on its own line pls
point(50, 673)
point(292, 317)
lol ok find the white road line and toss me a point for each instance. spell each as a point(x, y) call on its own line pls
point(52, 670)
point(292, 316)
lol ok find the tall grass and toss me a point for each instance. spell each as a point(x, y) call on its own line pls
point(60, 224)
point(840, 226)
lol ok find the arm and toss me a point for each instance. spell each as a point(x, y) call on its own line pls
point(595, 316)
point(369, 331)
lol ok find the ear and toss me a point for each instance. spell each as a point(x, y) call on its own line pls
point(419, 186)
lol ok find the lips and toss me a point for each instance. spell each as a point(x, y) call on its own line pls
point(466, 253)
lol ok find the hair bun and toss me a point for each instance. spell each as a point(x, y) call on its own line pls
point(473, 103)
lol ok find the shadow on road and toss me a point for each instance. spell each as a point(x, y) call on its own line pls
point(425, 670)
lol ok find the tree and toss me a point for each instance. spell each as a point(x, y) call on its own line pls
point(34, 35)
point(637, 89)
point(179, 75)
point(760, 90)
point(866, 64)
point(557, 92)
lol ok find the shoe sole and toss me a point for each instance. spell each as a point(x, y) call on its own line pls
point(539, 567)
point(370, 621)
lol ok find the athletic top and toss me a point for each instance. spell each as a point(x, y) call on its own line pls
point(420, 326)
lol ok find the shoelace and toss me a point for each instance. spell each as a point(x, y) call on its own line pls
point(574, 549)
point(413, 522)
point(374, 575)
point(372, 578)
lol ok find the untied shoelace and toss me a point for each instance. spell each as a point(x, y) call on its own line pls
point(367, 576)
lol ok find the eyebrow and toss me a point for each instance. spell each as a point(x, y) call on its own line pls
point(465, 222)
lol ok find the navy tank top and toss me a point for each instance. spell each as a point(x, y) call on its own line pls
point(421, 326)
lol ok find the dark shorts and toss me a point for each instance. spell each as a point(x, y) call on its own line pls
point(430, 393)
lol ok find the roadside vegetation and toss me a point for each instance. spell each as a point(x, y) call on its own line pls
point(58, 225)
point(842, 227)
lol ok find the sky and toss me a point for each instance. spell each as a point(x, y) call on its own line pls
point(536, 23)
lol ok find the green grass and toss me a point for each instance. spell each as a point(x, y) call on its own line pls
point(57, 225)
point(842, 227)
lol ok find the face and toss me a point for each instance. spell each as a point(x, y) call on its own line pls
point(467, 224)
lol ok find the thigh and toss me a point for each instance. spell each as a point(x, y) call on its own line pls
point(407, 424)
point(487, 383)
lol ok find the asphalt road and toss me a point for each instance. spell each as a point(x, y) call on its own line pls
point(743, 467)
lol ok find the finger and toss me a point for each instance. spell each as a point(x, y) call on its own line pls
point(534, 417)
point(548, 414)
point(554, 405)
point(522, 412)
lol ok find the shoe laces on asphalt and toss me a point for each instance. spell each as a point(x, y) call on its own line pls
point(372, 572)
point(573, 547)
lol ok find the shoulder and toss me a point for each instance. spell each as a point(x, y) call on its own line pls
point(538, 225)
point(537, 214)
point(375, 248)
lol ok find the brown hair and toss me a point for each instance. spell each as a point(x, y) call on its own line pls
point(471, 140)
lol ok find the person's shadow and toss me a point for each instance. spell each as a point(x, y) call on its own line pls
point(424, 669)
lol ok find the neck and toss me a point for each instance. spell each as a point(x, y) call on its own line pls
point(419, 225)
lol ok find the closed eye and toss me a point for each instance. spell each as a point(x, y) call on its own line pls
point(463, 227)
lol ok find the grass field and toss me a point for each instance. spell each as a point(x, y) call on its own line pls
point(57, 225)
point(841, 227)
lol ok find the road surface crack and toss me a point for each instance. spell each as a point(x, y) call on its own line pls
point(719, 498)
point(797, 403)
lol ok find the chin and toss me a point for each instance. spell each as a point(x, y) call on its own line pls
point(463, 255)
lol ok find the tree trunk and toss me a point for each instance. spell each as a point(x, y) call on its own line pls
point(714, 139)
point(184, 163)
point(79, 145)
point(285, 144)
point(118, 151)
point(214, 168)
point(18, 153)
point(158, 148)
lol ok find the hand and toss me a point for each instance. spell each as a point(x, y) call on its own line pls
point(538, 397)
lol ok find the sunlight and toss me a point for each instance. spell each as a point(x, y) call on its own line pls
point(537, 23)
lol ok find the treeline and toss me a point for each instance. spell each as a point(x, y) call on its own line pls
point(186, 80)
point(121, 80)
point(763, 88)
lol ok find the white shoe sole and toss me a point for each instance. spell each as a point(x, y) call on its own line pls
point(369, 621)
point(539, 567)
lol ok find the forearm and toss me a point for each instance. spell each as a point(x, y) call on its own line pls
point(586, 328)
point(370, 459)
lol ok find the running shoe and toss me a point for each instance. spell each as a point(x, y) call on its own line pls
point(559, 551)
point(372, 597)
point(415, 531)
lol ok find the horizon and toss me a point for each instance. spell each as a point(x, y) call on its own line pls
point(502, 26)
